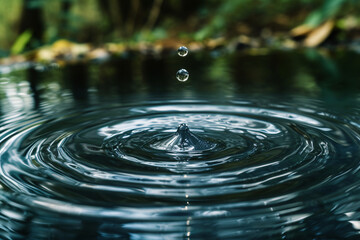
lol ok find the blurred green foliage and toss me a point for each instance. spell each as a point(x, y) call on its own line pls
point(262, 13)
point(21, 42)
point(332, 9)
point(99, 21)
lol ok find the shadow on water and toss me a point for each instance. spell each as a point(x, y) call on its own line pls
point(34, 77)
point(157, 82)
point(76, 78)
point(1, 112)
point(117, 76)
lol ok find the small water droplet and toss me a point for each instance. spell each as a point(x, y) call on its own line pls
point(182, 75)
point(183, 51)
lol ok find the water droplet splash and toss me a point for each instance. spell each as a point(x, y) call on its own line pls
point(183, 51)
point(184, 141)
point(182, 75)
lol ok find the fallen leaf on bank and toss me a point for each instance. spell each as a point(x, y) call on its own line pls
point(215, 42)
point(45, 54)
point(301, 30)
point(195, 46)
point(98, 54)
point(319, 34)
point(115, 48)
point(62, 46)
point(66, 47)
point(169, 43)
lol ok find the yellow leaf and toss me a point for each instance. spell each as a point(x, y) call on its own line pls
point(301, 30)
point(319, 34)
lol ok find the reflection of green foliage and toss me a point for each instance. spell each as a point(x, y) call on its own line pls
point(219, 70)
point(325, 63)
point(305, 81)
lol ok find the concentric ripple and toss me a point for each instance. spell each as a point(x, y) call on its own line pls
point(264, 170)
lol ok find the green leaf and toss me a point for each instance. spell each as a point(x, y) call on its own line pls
point(328, 10)
point(21, 42)
point(35, 4)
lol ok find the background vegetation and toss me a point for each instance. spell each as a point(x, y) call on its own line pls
point(27, 24)
point(73, 34)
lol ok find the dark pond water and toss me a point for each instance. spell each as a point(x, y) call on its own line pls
point(271, 149)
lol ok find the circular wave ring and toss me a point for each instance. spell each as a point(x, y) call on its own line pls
point(261, 158)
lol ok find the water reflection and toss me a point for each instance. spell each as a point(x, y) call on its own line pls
point(279, 72)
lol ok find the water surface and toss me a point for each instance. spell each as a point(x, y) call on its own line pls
point(82, 153)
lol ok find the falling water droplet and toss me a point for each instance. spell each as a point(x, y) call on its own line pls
point(183, 51)
point(182, 75)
